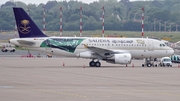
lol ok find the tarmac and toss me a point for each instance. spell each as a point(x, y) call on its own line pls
point(71, 79)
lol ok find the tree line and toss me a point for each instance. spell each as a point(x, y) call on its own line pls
point(123, 15)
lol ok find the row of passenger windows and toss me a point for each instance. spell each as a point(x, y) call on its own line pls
point(115, 44)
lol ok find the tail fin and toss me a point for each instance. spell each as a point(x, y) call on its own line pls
point(25, 25)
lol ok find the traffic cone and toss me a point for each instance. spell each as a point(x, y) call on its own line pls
point(133, 65)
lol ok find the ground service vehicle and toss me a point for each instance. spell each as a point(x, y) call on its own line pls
point(175, 58)
point(165, 61)
point(8, 47)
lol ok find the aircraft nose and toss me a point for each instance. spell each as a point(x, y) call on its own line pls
point(171, 51)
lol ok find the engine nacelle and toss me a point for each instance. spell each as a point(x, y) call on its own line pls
point(123, 58)
point(86, 55)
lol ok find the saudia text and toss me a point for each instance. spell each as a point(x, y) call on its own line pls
point(108, 41)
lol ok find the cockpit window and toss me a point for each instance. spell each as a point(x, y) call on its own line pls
point(162, 45)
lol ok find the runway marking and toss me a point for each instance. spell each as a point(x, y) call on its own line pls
point(6, 87)
point(156, 92)
point(68, 95)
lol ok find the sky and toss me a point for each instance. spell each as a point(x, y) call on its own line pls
point(45, 1)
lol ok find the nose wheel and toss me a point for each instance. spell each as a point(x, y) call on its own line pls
point(94, 64)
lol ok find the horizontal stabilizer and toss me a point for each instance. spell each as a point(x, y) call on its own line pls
point(23, 42)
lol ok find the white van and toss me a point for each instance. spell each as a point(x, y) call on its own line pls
point(8, 47)
point(165, 61)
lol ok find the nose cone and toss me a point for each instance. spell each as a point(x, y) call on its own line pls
point(171, 51)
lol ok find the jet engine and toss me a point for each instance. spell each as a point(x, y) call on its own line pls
point(123, 58)
point(86, 55)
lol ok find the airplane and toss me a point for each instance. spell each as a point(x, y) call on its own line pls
point(111, 50)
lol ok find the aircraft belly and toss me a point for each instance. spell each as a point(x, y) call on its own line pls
point(148, 54)
point(57, 52)
point(63, 53)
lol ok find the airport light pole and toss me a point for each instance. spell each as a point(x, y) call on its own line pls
point(80, 21)
point(154, 24)
point(60, 21)
point(159, 25)
point(142, 22)
point(165, 26)
point(44, 19)
point(15, 29)
point(28, 10)
point(177, 27)
point(103, 21)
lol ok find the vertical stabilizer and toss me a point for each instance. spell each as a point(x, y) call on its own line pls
point(25, 25)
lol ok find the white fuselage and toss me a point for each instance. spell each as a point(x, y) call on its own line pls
point(137, 47)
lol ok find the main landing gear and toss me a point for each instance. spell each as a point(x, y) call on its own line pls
point(150, 62)
point(94, 64)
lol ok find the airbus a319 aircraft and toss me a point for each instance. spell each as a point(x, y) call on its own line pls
point(112, 50)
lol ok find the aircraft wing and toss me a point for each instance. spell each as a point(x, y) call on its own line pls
point(104, 53)
point(23, 42)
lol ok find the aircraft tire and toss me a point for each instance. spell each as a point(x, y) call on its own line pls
point(92, 64)
point(98, 64)
point(149, 65)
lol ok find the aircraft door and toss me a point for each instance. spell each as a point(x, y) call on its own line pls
point(150, 45)
point(48, 44)
point(108, 45)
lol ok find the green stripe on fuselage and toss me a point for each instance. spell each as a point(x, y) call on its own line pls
point(66, 44)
